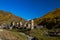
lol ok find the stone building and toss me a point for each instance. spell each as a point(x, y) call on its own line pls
point(32, 24)
point(29, 26)
point(17, 24)
point(20, 24)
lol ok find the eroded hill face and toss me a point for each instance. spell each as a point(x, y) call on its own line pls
point(55, 14)
point(6, 17)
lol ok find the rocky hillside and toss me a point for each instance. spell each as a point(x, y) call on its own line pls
point(50, 20)
point(7, 17)
point(49, 16)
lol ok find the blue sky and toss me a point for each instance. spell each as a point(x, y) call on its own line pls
point(29, 9)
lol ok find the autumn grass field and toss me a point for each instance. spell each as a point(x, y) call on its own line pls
point(11, 35)
point(37, 33)
point(40, 35)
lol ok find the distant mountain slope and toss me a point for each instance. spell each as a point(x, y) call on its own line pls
point(55, 14)
point(8, 17)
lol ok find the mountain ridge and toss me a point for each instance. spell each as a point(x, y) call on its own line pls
point(8, 17)
point(49, 16)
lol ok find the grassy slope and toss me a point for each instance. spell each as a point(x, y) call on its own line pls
point(40, 35)
point(8, 17)
point(5, 34)
point(19, 35)
point(49, 15)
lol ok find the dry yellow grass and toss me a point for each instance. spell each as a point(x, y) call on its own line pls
point(8, 35)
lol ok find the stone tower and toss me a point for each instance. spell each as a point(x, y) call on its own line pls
point(13, 24)
point(32, 24)
point(21, 24)
point(25, 24)
point(17, 24)
point(29, 26)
